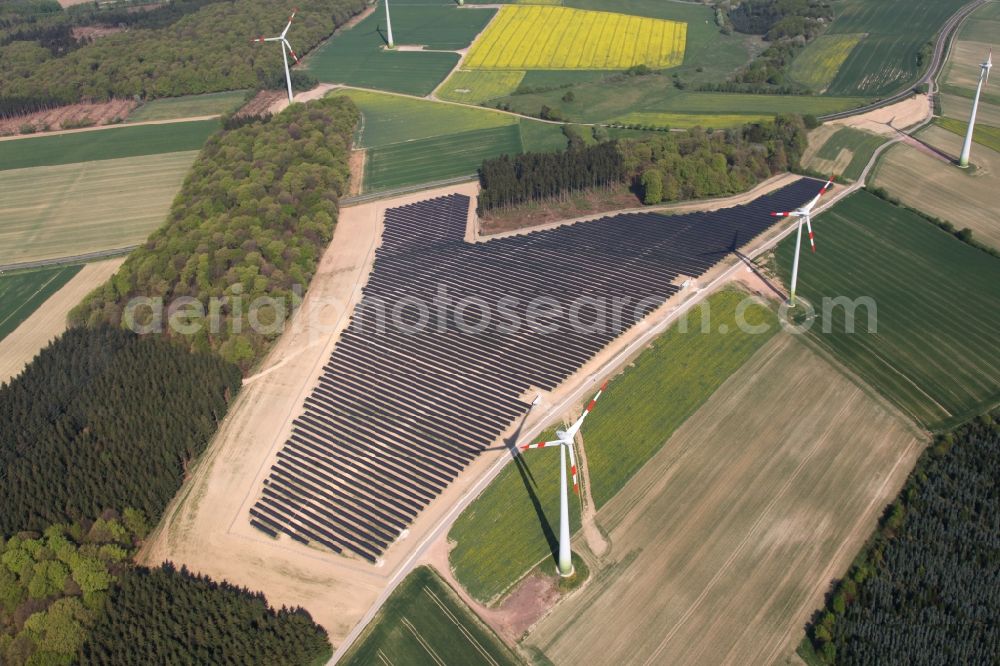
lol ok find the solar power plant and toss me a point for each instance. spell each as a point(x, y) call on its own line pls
point(420, 382)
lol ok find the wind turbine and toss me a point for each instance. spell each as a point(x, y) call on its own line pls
point(565, 443)
point(284, 55)
point(804, 214)
point(984, 76)
point(388, 23)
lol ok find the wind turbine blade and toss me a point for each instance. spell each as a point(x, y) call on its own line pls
point(540, 445)
point(285, 31)
point(575, 428)
point(270, 39)
point(294, 57)
point(783, 214)
point(812, 239)
point(572, 466)
point(809, 206)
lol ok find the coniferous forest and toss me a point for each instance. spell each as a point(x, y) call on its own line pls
point(181, 48)
point(105, 419)
point(171, 616)
point(926, 588)
point(666, 167)
point(252, 220)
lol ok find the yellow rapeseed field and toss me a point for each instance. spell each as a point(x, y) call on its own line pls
point(542, 37)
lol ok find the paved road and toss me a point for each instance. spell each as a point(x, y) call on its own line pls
point(937, 60)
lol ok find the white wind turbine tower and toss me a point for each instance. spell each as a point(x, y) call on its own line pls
point(804, 214)
point(284, 54)
point(984, 76)
point(388, 25)
point(565, 443)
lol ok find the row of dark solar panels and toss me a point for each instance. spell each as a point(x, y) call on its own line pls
point(397, 415)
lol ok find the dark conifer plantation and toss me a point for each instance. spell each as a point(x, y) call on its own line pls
point(105, 419)
point(166, 616)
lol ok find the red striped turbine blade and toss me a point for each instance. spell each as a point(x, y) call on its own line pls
point(782, 214)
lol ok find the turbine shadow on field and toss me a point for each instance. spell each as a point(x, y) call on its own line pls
point(528, 479)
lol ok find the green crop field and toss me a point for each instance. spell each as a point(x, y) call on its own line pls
point(685, 121)
point(886, 59)
point(666, 384)
point(392, 119)
point(189, 106)
point(985, 135)
point(22, 293)
point(818, 64)
point(357, 57)
point(860, 147)
point(410, 141)
point(537, 137)
point(425, 622)
point(70, 209)
point(104, 144)
point(479, 86)
point(936, 353)
point(439, 157)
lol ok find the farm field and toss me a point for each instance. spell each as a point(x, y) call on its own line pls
point(392, 119)
point(189, 106)
point(984, 135)
point(819, 62)
point(936, 354)
point(886, 59)
point(545, 37)
point(959, 108)
point(356, 57)
point(983, 25)
point(49, 318)
point(685, 121)
point(601, 102)
point(70, 209)
point(964, 198)
point(541, 137)
point(681, 369)
point(437, 158)
point(22, 293)
point(724, 542)
point(425, 622)
point(476, 87)
point(845, 153)
point(105, 144)
point(410, 141)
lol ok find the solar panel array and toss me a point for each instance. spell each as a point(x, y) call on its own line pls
point(400, 410)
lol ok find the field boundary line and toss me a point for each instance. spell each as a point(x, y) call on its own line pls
point(420, 639)
point(461, 627)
